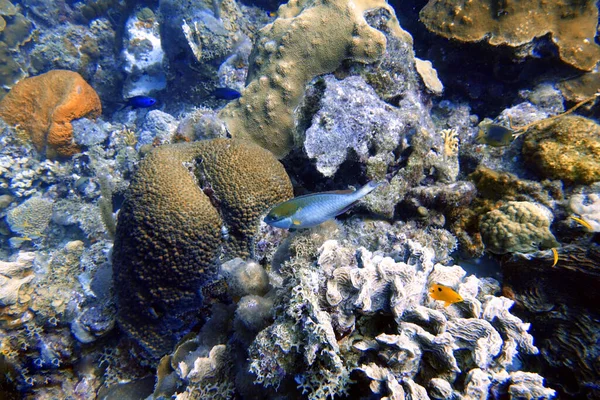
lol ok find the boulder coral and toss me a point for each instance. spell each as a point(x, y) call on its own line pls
point(186, 204)
point(309, 38)
point(517, 226)
point(572, 25)
point(45, 105)
point(567, 148)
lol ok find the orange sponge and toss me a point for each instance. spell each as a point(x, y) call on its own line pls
point(45, 105)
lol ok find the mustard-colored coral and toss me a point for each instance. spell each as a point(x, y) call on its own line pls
point(567, 148)
point(46, 104)
point(170, 230)
point(572, 24)
point(309, 38)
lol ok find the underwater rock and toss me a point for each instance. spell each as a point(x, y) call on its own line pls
point(563, 312)
point(517, 227)
point(45, 105)
point(89, 133)
point(245, 278)
point(187, 193)
point(143, 57)
point(158, 126)
point(353, 118)
point(567, 148)
point(200, 125)
point(429, 75)
point(519, 23)
point(290, 52)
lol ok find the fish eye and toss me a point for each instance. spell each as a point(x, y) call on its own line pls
point(439, 289)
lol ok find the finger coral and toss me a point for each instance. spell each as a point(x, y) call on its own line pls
point(309, 38)
point(46, 104)
point(572, 25)
point(170, 230)
point(517, 226)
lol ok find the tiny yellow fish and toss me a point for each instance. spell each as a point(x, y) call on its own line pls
point(445, 294)
point(582, 222)
point(555, 255)
point(494, 135)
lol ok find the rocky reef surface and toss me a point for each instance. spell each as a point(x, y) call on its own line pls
point(141, 145)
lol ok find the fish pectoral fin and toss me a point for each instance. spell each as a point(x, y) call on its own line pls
point(343, 210)
point(296, 222)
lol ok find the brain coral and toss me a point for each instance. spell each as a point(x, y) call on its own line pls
point(515, 23)
point(45, 105)
point(568, 148)
point(517, 226)
point(309, 38)
point(169, 233)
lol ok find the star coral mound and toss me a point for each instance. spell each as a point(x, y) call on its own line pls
point(186, 203)
point(309, 38)
point(45, 105)
point(515, 23)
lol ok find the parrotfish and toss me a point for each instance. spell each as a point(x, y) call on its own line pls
point(495, 135)
point(314, 209)
point(225, 93)
point(445, 294)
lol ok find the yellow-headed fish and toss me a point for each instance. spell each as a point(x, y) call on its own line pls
point(494, 135)
point(314, 209)
point(445, 294)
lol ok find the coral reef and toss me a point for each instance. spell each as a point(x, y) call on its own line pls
point(231, 183)
point(46, 104)
point(565, 322)
point(572, 26)
point(332, 316)
point(587, 207)
point(290, 52)
point(517, 226)
point(566, 148)
point(30, 219)
point(143, 55)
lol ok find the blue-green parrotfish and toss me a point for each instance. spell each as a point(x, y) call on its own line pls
point(314, 209)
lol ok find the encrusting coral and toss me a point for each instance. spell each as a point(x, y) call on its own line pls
point(567, 148)
point(309, 38)
point(46, 104)
point(517, 226)
point(185, 203)
point(572, 25)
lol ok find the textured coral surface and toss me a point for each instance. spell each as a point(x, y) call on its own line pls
point(309, 38)
point(169, 233)
point(571, 24)
point(45, 105)
point(567, 149)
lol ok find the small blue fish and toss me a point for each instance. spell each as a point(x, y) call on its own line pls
point(139, 102)
point(314, 209)
point(225, 93)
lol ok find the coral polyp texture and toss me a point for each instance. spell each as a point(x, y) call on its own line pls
point(45, 105)
point(517, 227)
point(567, 148)
point(572, 25)
point(170, 233)
point(309, 38)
